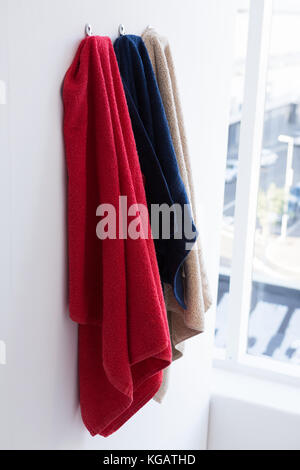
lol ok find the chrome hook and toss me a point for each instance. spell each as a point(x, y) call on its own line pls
point(122, 30)
point(88, 30)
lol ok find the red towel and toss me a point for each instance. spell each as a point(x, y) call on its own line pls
point(115, 291)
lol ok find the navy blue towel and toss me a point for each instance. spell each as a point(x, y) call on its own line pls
point(163, 183)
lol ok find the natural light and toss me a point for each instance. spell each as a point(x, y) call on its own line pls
point(267, 279)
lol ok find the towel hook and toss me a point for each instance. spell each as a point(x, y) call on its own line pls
point(122, 30)
point(88, 30)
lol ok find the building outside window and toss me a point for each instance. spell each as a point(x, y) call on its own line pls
point(269, 321)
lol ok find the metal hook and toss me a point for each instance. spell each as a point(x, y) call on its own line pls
point(88, 30)
point(122, 30)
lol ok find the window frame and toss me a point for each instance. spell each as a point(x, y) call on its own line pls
point(236, 357)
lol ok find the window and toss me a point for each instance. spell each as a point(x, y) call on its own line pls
point(231, 172)
point(258, 314)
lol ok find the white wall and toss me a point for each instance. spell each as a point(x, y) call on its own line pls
point(38, 386)
point(249, 413)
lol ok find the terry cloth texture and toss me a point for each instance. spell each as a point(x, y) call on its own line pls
point(114, 285)
point(163, 182)
point(183, 323)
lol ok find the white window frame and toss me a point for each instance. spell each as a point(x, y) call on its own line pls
point(235, 357)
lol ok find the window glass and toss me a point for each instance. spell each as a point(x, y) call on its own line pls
point(274, 321)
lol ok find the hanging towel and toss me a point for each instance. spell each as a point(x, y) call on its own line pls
point(163, 182)
point(183, 323)
point(115, 292)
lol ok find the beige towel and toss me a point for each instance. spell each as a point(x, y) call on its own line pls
point(183, 323)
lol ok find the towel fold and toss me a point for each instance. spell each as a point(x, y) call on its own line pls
point(163, 182)
point(184, 323)
point(115, 292)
